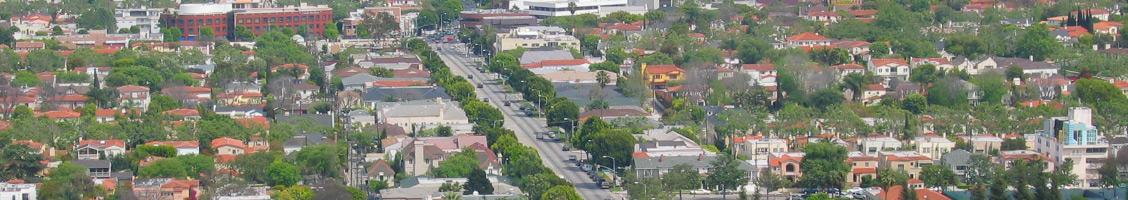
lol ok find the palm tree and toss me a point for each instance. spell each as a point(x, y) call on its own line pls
point(572, 9)
point(856, 83)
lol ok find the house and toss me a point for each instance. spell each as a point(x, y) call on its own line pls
point(424, 153)
point(183, 147)
point(361, 117)
point(189, 95)
point(1029, 67)
point(183, 114)
point(240, 98)
point(133, 96)
point(757, 147)
point(97, 149)
point(424, 114)
point(786, 165)
point(933, 146)
point(910, 162)
point(549, 66)
point(846, 69)
point(69, 102)
point(361, 81)
point(941, 64)
point(826, 17)
point(1108, 28)
point(536, 37)
point(657, 166)
point(660, 75)
point(862, 166)
point(959, 161)
point(1074, 138)
point(98, 169)
point(373, 96)
point(14, 190)
point(1051, 87)
point(297, 142)
point(666, 142)
point(95, 39)
point(166, 189)
point(855, 47)
point(889, 68)
point(61, 115)
point(761, 74)
point(392, 62)
point(26, 46)
point(864, 15)
point(873, 93)
point(984, 143)
point(105, 115)
point(228, 146)
point(381, 171)
point(1007, 159)
point(876, 144)
point(807, 39)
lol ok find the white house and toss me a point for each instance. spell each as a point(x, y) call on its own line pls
point(96, 149)
point(933, 146)
point(184, 147)
point(873, 145)
point(761, 74)
point(424, 114)
point(18, 191)
point(889, 68)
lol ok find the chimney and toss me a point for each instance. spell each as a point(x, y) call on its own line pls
point(661, 157)
point(1107, 46)
point(1031, 57)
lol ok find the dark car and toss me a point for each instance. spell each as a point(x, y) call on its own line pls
point(480, 86)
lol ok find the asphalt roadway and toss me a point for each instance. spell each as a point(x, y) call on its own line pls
point(461, 64)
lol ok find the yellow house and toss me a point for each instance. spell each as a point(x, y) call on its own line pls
point(662, 74)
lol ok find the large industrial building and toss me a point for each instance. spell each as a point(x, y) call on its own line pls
point(224, 18)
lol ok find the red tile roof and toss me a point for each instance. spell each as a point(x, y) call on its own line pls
point(1106, 25)
point(183, 112)
point(70, 98)
point(806, 36)
point(663, 69)
point(411, 73)
point(888, 61)
point(256, 121)
point(29, 143)
point(548, 63)
point(101, 143)
point(874, 87)
point(906, 158)
point(863, 13)
point(1076, 31)
point(227, 141)
point(225, 158)
point(822, 13)
point(106, 112)
point(894, 193)
point(61, 114)
point(132, 88)
point(865, 170)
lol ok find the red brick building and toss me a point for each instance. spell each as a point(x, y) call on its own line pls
point(223, 19)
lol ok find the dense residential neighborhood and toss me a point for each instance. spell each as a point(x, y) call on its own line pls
point(563, 99)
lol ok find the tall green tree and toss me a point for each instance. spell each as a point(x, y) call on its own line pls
point(97, 18)
point(1037, 43)
point(19, 161)
point(823, 166)
point(68, 181)
point(458, 165)
point(561, 192)
point(682, 177)
point(282, 173)
point(938, 176)
point(726, 175)
point(476, 182)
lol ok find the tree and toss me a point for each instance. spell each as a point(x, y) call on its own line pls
point(938, 176)
point(296, 192)
point(614, 143)
point(42, 60)
point(380, 26)
point(770, 182)
point(24, 78)
point(1110, 174)
point(726, 175)
point(207, 34)
point(823, 166)
point(173, 34)
point(561, 192)
point(10, 59)
point(19, 161)
point(1093, 91)
point(1015, 72)
point(682, 177)
point(830, 56)
point(1014, 144)
point(477, 183)
point(1037, 43)
point(590, 44)
point(965, 45)
point(825, 98)
point(321, 160)
point(97, 18)
point(135, 75)
point(68, 181)
point(458, 165)
point(242, 33)
point(331, 31)
point(993, 87)
point(282, 173)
